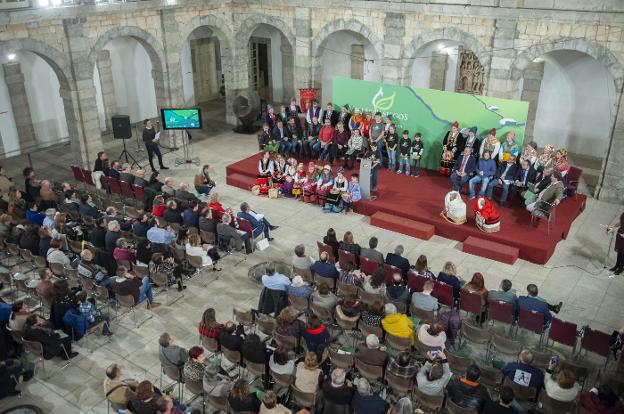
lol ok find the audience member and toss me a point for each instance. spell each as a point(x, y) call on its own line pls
point(423, 300)
point(172, 213)
point(170, 353)
point(316, 335)
point(92, 314)
point(397, 291)
point(432, 335)
point(123, 250)
point(371, 252)
point(376, 283)
point(183, 193)
point(37, 329)
point(113, 233)
point(209, 254)
point(397, 324)
point(397, 260)
point(141, 289)
point(97, 236)
point(449, 276)
point(270, 405)
point(308, 374)
point(241, 398)
point(331, 240)
point(56, 255)
point(504, 405)
point(371, 352)
point(228, 232)
point(434, 375)
point(337, 391)
point(231, 337)
point(146, 399)
point(564, 387)
point(601, 400)
point(280, 362)
point(19, 314)
point(259, 223)
point(421, 267)
point(523, 372)
point(45, 288)
point(208, 326)
point(504, 294)
point(194, 365)
point(253, 350)
point(116, 390)
point(403, 365)
point(299, 288)
point(324, 298)
point(467, 392)
point(532, 302)
point(274, 280)
point(300, 260)
point(364, 401)
point(349, 308)
point(350, 246)
point(373, 314)
point(477, 285)
point(324, 268)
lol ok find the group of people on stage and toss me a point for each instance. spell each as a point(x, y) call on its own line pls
point(536, 177)
point(335, 193)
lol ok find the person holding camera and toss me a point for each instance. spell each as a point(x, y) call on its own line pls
point(434, 374)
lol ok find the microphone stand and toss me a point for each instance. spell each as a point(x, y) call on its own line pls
point(610, 231)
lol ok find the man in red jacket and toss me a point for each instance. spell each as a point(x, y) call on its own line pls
point(325, 141)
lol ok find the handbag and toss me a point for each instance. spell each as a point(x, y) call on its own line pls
point(273, 192)
point(262, 244)
point(255, 190)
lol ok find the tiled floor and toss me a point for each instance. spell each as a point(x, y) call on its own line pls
point(574, 275)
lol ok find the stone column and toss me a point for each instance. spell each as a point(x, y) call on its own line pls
point(437, 78)
point(288, 87)
point(611, 183)
point(394, 25)
point(303, 50)
point(14, 79)
point(79, 97)
point(533, 75)
point(499, 82)
point(107, 87)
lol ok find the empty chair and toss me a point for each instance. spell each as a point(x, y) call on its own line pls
point(474, 334)
point(306, 274)
point(245, 318)
point(266, 324)
point(346, 290)
point(423, 315)
point(345, 258)
point(220, 403)
point(369, 329)
point(597, 342)
point(562, 332)
point(370, 298)
point(490, 377)
point(324, 314)
point(298, 302)
point(287, 342)
point(174, 373)
point(458, 364)
point(501, 344)
point(501, 312)
point(429, 402)
point(444, 294)
point(304, 399)
point(390, 270)
point(197, 389)
point(211, 344)
point(532, 321)
point(232, 356)
point(283, 380)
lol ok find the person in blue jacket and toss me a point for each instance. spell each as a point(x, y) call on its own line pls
point(486, 170)
point(532, 302)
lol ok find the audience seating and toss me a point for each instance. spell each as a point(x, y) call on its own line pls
point(304, 399)
point(368, 266)
point(490, 377)
point(470, 302)
point(220, 403)
point(345, 289)
point(322, 247)
point(344, 361)
point(458, 364)
point(491, 250)
point(562, 332)
point(398, 343)
point(474, 334)
point(298, 302)
point(581, 371)
point(532, 321)
point(501, 312)
point(197, 389)
point(389, 271)
point(415, 282)
point(501, 344)
point(345, 257)
point(245, 318)
point(552, 406)
point(323, 313)
point(521, 393)
point(372, 373)
point(266, 324)
point(399, 385)
point(423, 315)
point(287, 342)
point(444, 294)
point(433, 403)
point(597, 342)
point(174, 373)
point(453, 408)
point(369, 329)
point(370, 298)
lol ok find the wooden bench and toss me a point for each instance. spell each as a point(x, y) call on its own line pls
point(491, 250)
point(403, 225)
point(241, 181)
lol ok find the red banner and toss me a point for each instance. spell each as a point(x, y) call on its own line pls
point(306, 96)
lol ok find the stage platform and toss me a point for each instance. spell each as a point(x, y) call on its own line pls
point(422, 199)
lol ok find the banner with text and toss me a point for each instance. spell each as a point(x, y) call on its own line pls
point(431, 112)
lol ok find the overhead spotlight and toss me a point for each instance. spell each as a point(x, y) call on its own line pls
point(11, 56)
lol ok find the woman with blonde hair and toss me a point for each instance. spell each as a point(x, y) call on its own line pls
point(271, 406)
point(208, 253)
point(307, 374)
point(215, 205)
point(449, 276)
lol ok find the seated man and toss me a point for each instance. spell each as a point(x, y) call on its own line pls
point(231, 337)
point(126, 174)
point(171, 354)
point(397, 260)
point(53, 342)
point(86, 268)
point(504, 406)
point(259, 223)
point(274, 280)
point(324, 268)
point(523, 373)
point(371, 353)
point(118, 391)
point(504, 294)
point(507, 172)
point(227, 232)
point(467, 392)
point(434, 375)
point(87, 207)
point(525, 176)
point(365, 401)
point(423, 300)
point(93, 315)
point(160, 237)
point(553, 194)
point(397, 324)
point(371, 252)
point(463, 169)
point(183, 193)
point(532, 303)
point(337, 390)
point(141, 289)
point(139, 178)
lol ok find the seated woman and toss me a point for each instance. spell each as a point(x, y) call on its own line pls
point(123, 250)
point(208, 326)
point(403, 365)
point(173, 213)
point(422, 269)
point(376, 283)
point(308, 375)
point(203, 183)
point(324, 184)
point(355, 147)
point(350, 246)
point(40, 330)
point(372, 316)
point(299, 288)
point(45, 287)
point(290, 174)
point(241, 398)
point(349, 308)
point(432, 335)
point(168, 187)
point(45, 237)
point(601, 400)
point(209, 254)
point(449, 276)
point(254, 350)
point(271, 405)
point(158, 264)
point(564, 387)
point(56, 255)
point(158, 206)
point(19, 314)
point(145, 401)
point(300, 260)
point(215, 206)
point(331, 240)
point(288, 324)
point(127, 284)
point(477, 285)
point(324, 298)
point(194, 366)
point(281, 362)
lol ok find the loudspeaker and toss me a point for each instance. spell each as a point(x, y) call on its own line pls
point(121, 127)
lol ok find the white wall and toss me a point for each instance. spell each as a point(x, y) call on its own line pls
point(188, 89)
point(99, 100)
point(575, 102)
point(276, 61)
point(8, 130)
point(132, 79)
point(336, 60)
point(421, 68)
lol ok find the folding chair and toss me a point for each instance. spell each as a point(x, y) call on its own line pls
point(532, 321)
point(197, 389)
point(415, 282)
point(423, 315)
point(390, 270)
point(322, 247)
point(346, 290)
point(304, 399)
point(245, 318)
point(562, 332)
point(344, 258)
point(453, 408)
point(300, 303)
point(344, 361)
point(474, 333)
point(502, 344)
point(372, 373)
point(501, 312)
point(444, 293)
point(458, 364)
point(398, 343)
point(127, 301)
point(597, 342)
point(470, 303)
point(521, 393)
point(367, 266)
point(429, 402)
point(552, 406)
point(399, 385)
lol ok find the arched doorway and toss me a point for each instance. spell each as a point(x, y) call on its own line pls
point(32, 110)
point(574, 102)
point(435, 65)
point(271, 61)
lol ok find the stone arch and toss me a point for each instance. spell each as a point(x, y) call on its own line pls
point(593, 49)
point(448, 33)
point(152, 46)
point(253, 21)
point(351, 25)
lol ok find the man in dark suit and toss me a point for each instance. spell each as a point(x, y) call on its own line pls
point(532, 303)
point(294, 130)
point(230, 337)
point(259, 223)
point(526, 175)
point(185, 195)
point(330, 114)
point(282, 136)
point(324, 268)
point(126, 174)
point(313, 111)
point(113, 172)
point(507, 173)
point(463, 169)
point(397, 260)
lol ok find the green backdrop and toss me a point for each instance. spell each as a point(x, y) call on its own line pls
point(431, 112)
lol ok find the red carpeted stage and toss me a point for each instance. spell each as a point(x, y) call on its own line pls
point(422, 199)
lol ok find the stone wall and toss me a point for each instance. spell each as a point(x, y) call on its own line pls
point(503, 34)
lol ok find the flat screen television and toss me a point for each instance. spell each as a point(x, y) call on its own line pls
point(181, 118)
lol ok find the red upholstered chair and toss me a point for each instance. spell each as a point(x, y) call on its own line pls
point(322, 247)
point(88, 177)
point(562, 332)
point(531, 321)
point(389, 270)
point(344, 258)
point(368, 266)
point(572, 179)
point(114, 186)
point(470, 302)
point(78, 174)
point(139, 193)
point(597, 342)
point(245, 226)
point(501, 312)
point(126, 190)
point(444, 293)
point(415, 282)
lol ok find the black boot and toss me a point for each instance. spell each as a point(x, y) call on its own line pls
point(614, 268)
point(557, 307)
point(180, 286)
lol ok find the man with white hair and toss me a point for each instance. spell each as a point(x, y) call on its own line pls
point(47, 195)
point(397, 260)
point(48, 221)
point(139, 178)
point(365, 402)
point(113, 233)
point(337, 391)
point(371, 353)
point(183, 193)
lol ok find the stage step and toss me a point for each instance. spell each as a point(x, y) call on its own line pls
point(241, 181)
point(403, 225)
point(491, 250)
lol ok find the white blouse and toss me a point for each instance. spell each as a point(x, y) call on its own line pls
point(199, 251)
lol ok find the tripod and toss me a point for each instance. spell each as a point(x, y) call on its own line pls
point(125, 154)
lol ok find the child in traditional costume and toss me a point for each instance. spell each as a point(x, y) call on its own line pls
point(353, 193)
point(300, 180)
point(560, 163)
point(509, 147)
point(289, 177)
point(490, 144)
point(324, 183)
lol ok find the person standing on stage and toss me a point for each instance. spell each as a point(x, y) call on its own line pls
point(149, 136)
point(418, 147)
point(619, 248)
point(404, 152)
